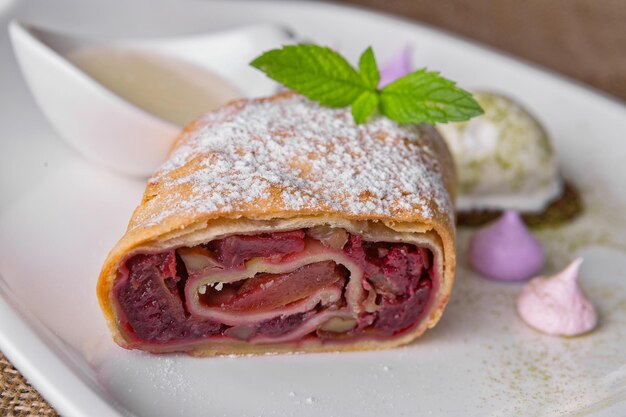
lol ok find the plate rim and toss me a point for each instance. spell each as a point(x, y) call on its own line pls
point(27, 343)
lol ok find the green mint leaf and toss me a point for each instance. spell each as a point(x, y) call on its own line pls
point(315, 71)
point(323, 75)
point(364, 106)
point(426, 97)
point(369, 69)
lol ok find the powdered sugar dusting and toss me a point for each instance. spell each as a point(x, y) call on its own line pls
point(292, 152)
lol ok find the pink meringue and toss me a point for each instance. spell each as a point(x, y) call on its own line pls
point(398, 67)
point(505, 250)
point(556, 305)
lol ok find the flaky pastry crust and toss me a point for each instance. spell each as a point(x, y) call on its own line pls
point(195, 196)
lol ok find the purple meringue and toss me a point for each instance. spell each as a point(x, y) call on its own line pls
point(556, 305)
point(398, 67)
point(505, 250)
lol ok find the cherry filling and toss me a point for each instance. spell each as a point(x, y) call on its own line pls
point(149, 297)
point(310, 301)
point(234, 250)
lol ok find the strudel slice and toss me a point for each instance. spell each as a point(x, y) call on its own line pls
point(277, 225)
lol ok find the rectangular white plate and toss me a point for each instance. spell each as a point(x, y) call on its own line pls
point(59, 215)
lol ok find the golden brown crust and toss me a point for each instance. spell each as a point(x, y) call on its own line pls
point(155, 225)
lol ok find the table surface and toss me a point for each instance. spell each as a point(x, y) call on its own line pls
point(583, 39)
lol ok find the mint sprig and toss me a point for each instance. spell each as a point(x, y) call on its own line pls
point(369, 69)
point(323, 75)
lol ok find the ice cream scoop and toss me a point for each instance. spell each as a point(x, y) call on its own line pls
point(556, 305)
point(505, 250)
point(504, 158)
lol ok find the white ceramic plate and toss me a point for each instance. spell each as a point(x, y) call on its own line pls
point(59, 215)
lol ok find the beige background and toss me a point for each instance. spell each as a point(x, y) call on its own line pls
point(584, 39)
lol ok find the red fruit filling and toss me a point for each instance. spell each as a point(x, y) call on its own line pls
point(312, 300)
point(235, 250)
point(269, 291)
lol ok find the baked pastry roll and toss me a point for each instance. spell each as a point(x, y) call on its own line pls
point(277, 225)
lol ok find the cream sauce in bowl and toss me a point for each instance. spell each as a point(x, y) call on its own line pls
point(122, 103)
point(172, 89)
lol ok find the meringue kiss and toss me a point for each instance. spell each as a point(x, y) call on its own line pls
point(505, 250)
point(556, 305)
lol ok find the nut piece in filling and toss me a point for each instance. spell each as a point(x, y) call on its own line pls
point(275, 287)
